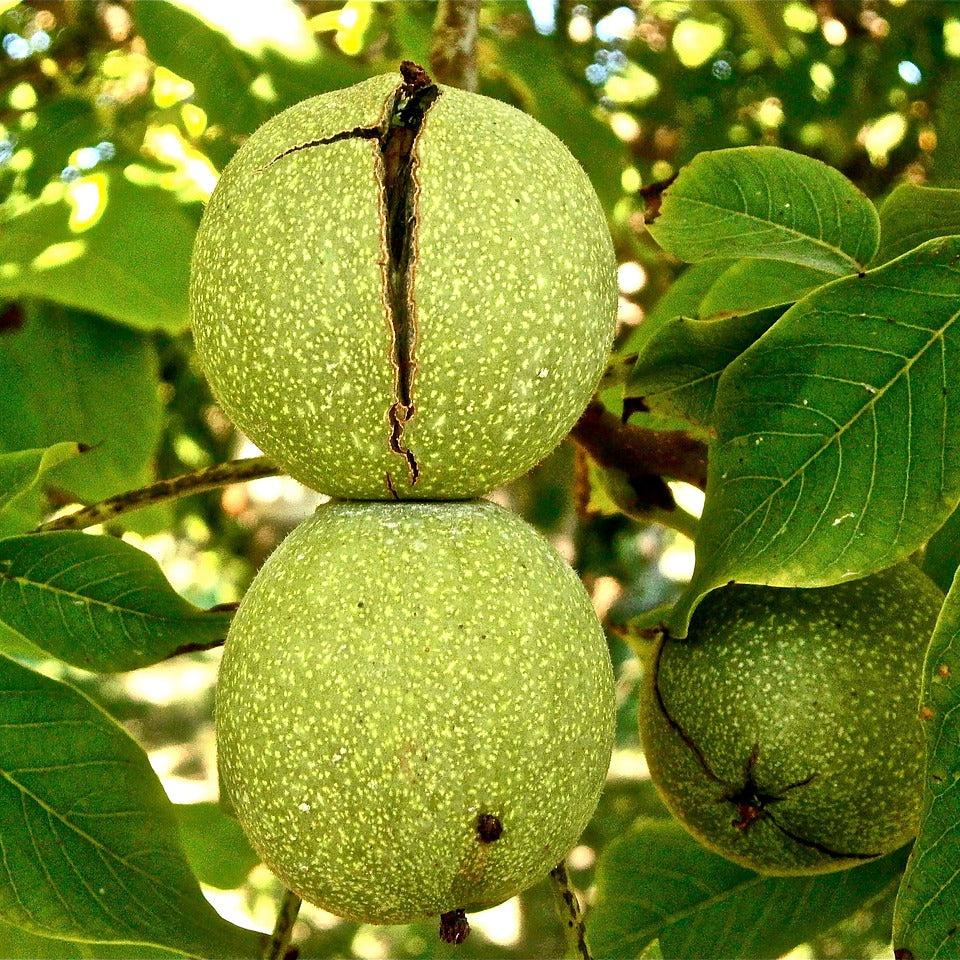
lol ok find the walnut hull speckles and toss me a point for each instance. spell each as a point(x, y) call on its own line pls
point(821, 686)
point(513, 292)
point(395, 672)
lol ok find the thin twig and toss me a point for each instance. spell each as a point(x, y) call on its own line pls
point(453, 53)
point(283, 928)
point(234, 471)
point(638, 452)
point(569, 912)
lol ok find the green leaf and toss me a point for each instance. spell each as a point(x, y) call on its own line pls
point(941, 558)
point(911, 215)
point(240, 82)
point(838, 433)
point(63, 124)
point(767, 203)
point(216, 846)
point(927, 916)
point(678, 372)
point(657, 882)
point(682, 299)
point(97, 602)
point(131, 264)
point(89, 844)
point(751, 285)
point(20, 472)
point(69, 376)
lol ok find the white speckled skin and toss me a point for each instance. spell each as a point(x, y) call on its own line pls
point(826, 683)
point(514, 296)
point(394, 671)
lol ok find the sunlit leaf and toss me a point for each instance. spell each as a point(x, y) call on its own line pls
point(89, 843)
point(245, 67)
point(911, 215)
point(20, 472)
point(657, 882)
point(125, 256)
point(767, 203)
point(70, 376)
point(838, 433)
point(97, 602)
point(927, 915)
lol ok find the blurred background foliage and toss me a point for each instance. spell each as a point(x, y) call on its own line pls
point(115, 119)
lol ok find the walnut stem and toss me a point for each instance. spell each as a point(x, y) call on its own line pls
point(283, 928)
point(569, 912)
point(453, 53)
point(638, 452)
point(223, 474)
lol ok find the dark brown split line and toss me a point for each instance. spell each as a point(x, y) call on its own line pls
point(357, 133)
point(396, 137)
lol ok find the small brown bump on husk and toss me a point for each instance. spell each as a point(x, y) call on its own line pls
point(489, 828)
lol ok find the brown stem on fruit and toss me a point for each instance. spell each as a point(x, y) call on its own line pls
point(569, 912)
point(638, 452)
point(283, 928)
point(453, 52)
point(199, 481)
point(454, 927)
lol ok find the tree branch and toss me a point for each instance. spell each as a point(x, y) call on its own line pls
point(453, 53)
point(569, 912)
point(283, 928)
point(638, 452)
point(223, 474)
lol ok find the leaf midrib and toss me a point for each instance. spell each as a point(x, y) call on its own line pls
point(25, 582)
point(785, 229)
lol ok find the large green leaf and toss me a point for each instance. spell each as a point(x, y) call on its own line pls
point(838, 433)
point(130, 264)
point(20, 472)
point(215, 844)
point(911, 215)
point(678, 372)
point(767, 203)
point(927, 916)
point(941, 558)
point(97, 602)
point(239, 79)
point(751, 285)
point(657, 882)
point(70, 376)
point(89, 843)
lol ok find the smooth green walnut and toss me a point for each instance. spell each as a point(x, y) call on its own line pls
point(784, 731)
point(415, 709)
point(403, 290)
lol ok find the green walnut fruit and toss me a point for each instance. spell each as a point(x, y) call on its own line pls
point(784, 731)
point(415, 709)
point(403, 290)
